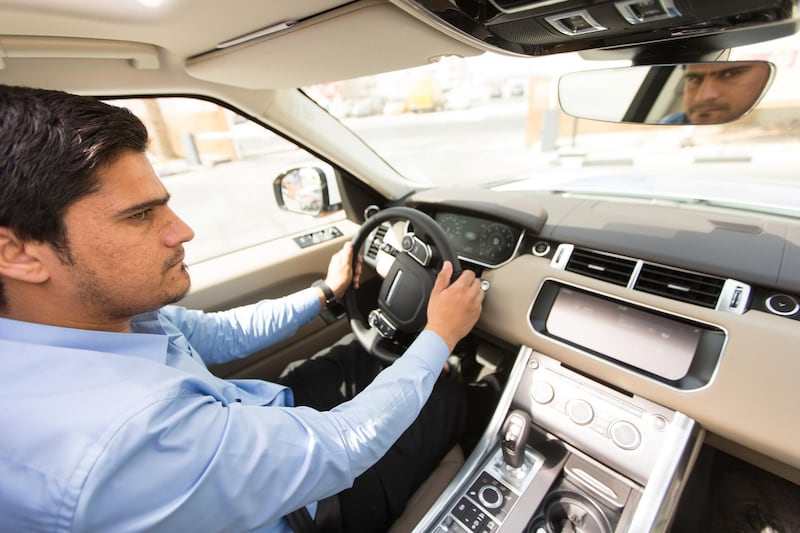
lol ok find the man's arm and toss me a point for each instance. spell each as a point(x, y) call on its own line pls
point(227, 335)
point(188, 458)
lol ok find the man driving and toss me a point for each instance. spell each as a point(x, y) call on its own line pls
point(111, 419)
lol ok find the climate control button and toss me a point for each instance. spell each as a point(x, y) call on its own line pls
point(580, 412)
point(542, 392)
point(625, 435)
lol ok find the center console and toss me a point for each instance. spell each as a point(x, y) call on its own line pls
point(564, 453)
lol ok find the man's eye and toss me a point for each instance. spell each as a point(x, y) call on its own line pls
point(728, 74)
point(141, 215)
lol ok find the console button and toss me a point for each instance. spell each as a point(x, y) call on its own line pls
point(490, 497)
point(472, 517)
point(782, 304)
point(625, 435)
point(542, 392)
point(580, 412)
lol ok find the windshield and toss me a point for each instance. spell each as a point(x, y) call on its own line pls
point(495, 121)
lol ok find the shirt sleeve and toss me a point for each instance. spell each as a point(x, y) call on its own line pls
point(222, 336)
point(187, 459)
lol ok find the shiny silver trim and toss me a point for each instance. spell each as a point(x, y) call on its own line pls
point(269, 30)
point(525, 7)
point(562, 255)
point(733, 297)
point(415, 10)
point(772, 308)
point(393, 287)
point(485, 447)
point(556, 21)
point(661, 494)
point(542, 253)
point(370, 210)
point(627, 12)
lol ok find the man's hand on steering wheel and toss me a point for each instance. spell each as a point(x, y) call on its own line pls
point(454, 308)
point(340, 272)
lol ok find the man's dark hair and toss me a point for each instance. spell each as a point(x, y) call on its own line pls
point(52, 145)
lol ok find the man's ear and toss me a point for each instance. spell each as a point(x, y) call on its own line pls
point(21, 260)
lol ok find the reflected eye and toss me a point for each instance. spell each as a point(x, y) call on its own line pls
point(693, 79)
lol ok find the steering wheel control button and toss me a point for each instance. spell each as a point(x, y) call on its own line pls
point(385, 328)
point(782, 304)
point(625, 435)
point(580, 412)
point(542, 392)
point(417, 249)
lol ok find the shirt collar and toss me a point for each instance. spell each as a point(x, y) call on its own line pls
point(147, 339)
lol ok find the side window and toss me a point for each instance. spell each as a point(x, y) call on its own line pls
point(219, 168)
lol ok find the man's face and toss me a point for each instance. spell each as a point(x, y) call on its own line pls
point(125, 244)
point(717, 93)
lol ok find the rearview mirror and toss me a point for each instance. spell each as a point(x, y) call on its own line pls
point(687, 93)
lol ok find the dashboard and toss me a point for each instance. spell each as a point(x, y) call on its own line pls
point(644, 331)
point(644, 273)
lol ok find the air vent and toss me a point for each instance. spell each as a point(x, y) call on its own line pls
point(680, 285)
point(377, 241)
point(610, 268)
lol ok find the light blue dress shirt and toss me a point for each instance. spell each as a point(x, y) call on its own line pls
point(130, 431)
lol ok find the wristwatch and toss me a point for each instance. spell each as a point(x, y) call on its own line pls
point(330, 297)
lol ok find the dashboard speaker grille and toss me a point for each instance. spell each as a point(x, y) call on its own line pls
point(606, 267)
point(680, 285)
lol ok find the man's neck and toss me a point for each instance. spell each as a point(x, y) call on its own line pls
point(40, 312)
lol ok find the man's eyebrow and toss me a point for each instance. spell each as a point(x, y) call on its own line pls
point(736, 69)
point(136, 208)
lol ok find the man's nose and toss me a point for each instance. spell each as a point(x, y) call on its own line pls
point(178, 231)
point(709, 89)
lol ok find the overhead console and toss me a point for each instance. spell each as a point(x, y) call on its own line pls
point(540, 27)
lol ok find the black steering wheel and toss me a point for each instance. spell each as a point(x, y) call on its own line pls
point(405, 291)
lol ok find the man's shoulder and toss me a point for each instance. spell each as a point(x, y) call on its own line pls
point(675, 118)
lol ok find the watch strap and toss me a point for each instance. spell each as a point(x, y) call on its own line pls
point(330, 297)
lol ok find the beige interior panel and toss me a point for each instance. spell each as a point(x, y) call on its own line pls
point(268, 270)
point(141, 56)
point(351, 42)
point(752, 396)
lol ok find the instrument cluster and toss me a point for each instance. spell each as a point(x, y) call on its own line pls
point(480, 240)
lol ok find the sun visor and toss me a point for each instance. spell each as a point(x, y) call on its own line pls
point(357, 40)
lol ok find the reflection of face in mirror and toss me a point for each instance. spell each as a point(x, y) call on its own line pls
point(720, 92)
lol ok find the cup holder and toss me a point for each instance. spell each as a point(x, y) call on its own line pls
point(567, 511)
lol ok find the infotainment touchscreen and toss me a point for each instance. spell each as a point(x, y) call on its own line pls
point(648, 341)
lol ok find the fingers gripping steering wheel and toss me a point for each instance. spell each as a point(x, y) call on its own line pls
point(405, 291)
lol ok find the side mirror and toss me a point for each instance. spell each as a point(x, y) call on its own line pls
point(687, 93)
point(304, 190)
